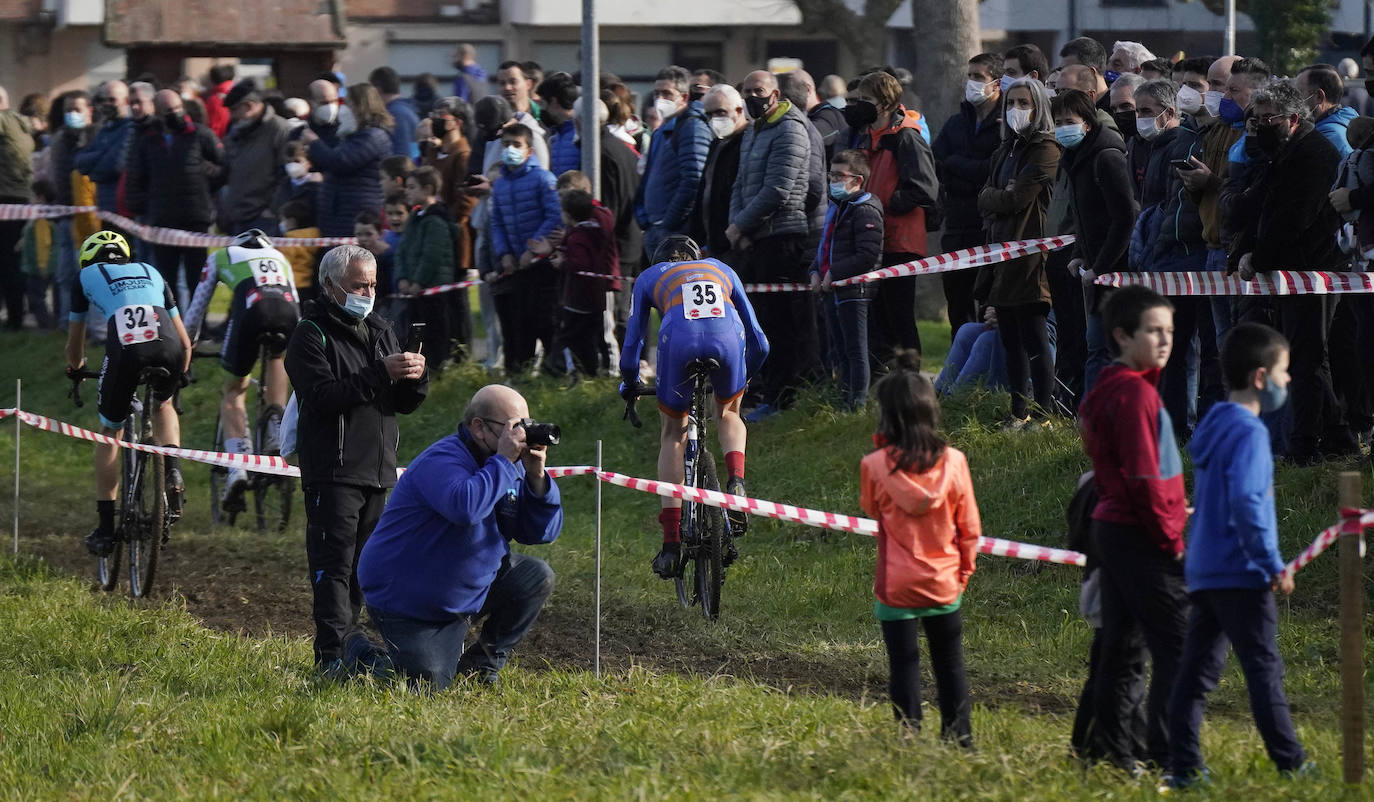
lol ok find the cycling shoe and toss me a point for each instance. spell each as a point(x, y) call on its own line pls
point(739, 521)
point(99, 543)
point(666, 564)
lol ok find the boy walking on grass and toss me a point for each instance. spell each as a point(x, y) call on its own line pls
point(1137, 530)
point(1233, 561)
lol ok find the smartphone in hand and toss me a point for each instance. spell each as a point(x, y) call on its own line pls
point(415, 338)
point(1183, 164)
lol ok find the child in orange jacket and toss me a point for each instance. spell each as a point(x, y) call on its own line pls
point(919, 490)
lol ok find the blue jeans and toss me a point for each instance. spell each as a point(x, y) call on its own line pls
point(1223, 310)
point(430, 653)
point(846, 324)
point(976, 353)
point(1247, 620)
point(1098, 355)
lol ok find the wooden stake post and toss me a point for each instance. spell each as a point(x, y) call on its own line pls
point(1352, 637)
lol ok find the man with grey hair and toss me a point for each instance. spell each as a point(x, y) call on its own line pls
point(1127, 58)
point(725, 114)
point(351, 379)
point(16, 174)
point(677, 155)
point(1296, 230)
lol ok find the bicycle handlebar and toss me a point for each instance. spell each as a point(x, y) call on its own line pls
point(630, 414)
point(76, 377)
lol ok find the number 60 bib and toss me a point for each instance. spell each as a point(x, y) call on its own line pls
point(702, 300)
point(136, 324)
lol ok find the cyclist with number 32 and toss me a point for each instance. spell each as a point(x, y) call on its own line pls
point(144, 331)
point(264, 303)
point(705, 315)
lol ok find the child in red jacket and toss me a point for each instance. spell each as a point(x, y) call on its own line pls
point(920, 491)
point(588, 246)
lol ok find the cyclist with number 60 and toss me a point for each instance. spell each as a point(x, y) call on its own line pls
point(705, 315)
point(144, 331)
point(264, 303)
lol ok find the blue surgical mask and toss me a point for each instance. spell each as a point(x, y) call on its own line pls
point(511, 156)
point(1006, 83)
point(1230, 111)
point(1070, 135)
point(357, 306)
point(837, 101)
point(1111, 76)
point(74, 120)
point(839, 191)
point(1272, 397)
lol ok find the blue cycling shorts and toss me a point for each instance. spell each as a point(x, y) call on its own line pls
point(682, 342)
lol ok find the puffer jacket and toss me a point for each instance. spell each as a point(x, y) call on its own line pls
point(769, 196)
point(851, 243)
point(173, 185)
point(963, 152)
point(1016, 214)
point(564, 152)
point(103, 161)
point(352, 177)
point(254, 154)
point(524, 206)
point(903, 178)
point(928, 529)
point(425, 254)
point(672, 171)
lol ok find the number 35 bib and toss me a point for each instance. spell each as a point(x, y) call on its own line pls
point(702, 300)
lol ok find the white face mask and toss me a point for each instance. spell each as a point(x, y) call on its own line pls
point(976, 92)
point(1148, 127)
point(295, 170)
point(1189, 100)
point(722, 127)
point(665, 108)
point(1018, 119)
point(837, 101)
point(1212, 102)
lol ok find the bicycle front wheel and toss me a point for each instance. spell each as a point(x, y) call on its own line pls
point(710, 573)
point(150, 513)
point(272, 495)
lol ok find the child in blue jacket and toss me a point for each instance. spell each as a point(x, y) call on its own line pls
point(1232, 562)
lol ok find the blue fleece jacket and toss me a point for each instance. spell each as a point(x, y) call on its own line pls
point(446, 528)
point(1333, 126)
point(1233, 538)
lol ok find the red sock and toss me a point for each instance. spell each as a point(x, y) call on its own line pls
point(734, 464)
point(670, 518)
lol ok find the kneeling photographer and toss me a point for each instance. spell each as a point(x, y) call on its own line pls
point(440, 558)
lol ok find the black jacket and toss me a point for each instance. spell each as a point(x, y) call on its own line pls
point(619, 181)
point(1103, 203)
point(711, 216)
point(1176, 230)
point(173, 185)
point(855, 246)
point(347, 432)
point(1297, 226)
point(834, 131)
point(963, 151)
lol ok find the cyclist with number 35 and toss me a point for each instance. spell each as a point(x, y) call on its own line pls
point(264, 303)
point(705, 315)
point(144, 331)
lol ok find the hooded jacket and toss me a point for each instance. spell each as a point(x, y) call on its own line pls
point(1136, 465)
point(352, 177)
point(851, 242)
point(1333, 126)
point(427, 252)
point(524, 206)
point(1170, 225)
point(928, 529)
point(903, 179)
point(1233, 538)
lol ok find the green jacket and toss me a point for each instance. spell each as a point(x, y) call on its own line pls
point(425, 254)
point(38, 254)
point(16, 146)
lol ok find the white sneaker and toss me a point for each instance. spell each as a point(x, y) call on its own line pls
point(234, 486)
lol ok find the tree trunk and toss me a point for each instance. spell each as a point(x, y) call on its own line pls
point(946, 35)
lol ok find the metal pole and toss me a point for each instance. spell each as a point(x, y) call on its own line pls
point(18, 391)
point(596, 614)
point(591, 92)
point(1352, 637)
point(1229, 45)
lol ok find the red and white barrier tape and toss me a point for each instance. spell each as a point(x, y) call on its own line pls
point(965, 258)
point(156, 234)
point(1353, 522)
point(1278, 282)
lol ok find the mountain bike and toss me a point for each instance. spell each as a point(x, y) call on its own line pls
point(272, 494)
point(145, 517)
point(707, 541)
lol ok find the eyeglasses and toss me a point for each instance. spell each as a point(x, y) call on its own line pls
point(834, 176)
point(1269, 119)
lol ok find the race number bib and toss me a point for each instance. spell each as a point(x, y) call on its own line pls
point(136, 324)
point(269, 273)
point(702, 300)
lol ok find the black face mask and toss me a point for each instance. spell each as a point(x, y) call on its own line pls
point(860, 113)
point(697, 92)
point(439, 125)
point(1125, 123)
point(174, 121)
point(757, 106)
point(1369, 87)
point(1270, 139)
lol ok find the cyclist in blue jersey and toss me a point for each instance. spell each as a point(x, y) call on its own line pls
point(704, 315)
point(144, 330)
point(264, 304)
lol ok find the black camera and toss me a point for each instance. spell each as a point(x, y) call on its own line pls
point(541, 434)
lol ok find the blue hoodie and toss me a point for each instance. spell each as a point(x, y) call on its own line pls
point(445, 531)
point(1233, 538)
point(1333, 126)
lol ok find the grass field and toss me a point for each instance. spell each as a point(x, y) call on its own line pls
point(206, 692)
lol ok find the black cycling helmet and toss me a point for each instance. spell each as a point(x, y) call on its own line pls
point(252, 238)
point(676, 248)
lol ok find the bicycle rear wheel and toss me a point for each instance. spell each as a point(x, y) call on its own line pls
point(710, 573)
point(145, 538)
point(272, 494)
